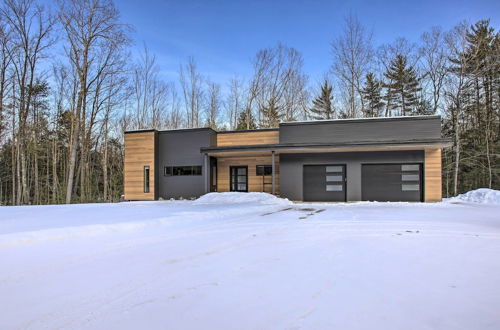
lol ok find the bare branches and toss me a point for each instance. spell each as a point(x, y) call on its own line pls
point(352, 57)
point(278, 81)
point(191, 85)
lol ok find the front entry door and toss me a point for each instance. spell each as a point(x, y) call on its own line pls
point(239, 178)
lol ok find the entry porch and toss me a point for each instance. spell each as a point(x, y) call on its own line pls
point(251, 171)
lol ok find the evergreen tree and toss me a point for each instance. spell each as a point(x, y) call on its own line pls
point(244, 123)
point(271, 114)
point(372, 96)
point(402, 87)
point(322, 106)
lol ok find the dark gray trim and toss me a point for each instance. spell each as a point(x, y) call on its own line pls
point(157, 167)
point(359, 120)
point(206, 169)
point(170, 130)
point(273, 166)
point(187, 130)
point(249, 130)
point(140, 131)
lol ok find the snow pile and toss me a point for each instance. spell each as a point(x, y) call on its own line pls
point(482, 196)
point(239, 197)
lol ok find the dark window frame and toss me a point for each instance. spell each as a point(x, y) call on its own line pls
point(233, 186)
point(261, 170)
point(183, 170)
point(147, 179)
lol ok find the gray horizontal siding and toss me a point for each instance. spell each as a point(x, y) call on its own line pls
point(361, 130)
point(182, 148)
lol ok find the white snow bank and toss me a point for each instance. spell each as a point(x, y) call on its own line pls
point(482, 196)
point(239, 197)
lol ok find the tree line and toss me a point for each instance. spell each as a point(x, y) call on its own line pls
point(69, 89)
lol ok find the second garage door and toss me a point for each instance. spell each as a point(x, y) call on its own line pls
point(391, 182)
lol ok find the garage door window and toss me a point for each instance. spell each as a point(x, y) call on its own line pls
point(335, 169)
point(410, 177)
point(410, 187)
point(333, 187)
point(410, 167)
point(334, 174)
point(335, 178)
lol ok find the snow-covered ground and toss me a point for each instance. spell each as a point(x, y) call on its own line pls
point(252, 261)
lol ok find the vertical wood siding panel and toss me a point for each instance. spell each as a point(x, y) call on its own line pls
point(433, 187)
point(139, 152)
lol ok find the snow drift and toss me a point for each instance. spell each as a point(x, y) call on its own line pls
point(238, 197)
point(481, 196)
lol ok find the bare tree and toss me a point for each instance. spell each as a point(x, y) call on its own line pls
point(455, 92)
point(352, 56)
point(235, 101)
point(92, 30)
point(5, 61)
point(213, 105)
point(434, 55)
point(31, 26)
point(175, 119)
point(192, 91)
point(278, 85)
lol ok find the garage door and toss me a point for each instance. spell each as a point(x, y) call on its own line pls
point(391, 182)
point(324, 183)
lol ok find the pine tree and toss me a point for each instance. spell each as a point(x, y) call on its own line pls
point(402, 87)
point(271, 114)
point(322, 106)
point(243, 123)
point(372, 96)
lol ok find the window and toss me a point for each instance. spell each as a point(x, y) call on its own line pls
point(410, 187)
point(410, 177)
point(335, 169)
point(146, 179)
point(334, 178)
point(331, 187)
point(413, 167)
point(167, 171)
point(264, 170)
point(182, 170)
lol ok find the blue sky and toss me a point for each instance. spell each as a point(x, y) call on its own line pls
point(223, 36)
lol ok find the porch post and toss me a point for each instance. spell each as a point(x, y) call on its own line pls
point(273, 170)
point(206, 166)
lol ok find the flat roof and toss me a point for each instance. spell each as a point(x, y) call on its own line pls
point(296, 123)
point(356, 120)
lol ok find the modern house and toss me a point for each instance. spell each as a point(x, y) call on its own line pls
point(375, 159)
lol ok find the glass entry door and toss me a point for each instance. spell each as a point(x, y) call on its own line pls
point(239, 178)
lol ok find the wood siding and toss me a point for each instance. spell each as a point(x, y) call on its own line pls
point(139, 152)
point(254, 181)
point(247, 138)
point(432, 175)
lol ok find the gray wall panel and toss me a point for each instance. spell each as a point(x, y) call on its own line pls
point(361, 130)
point(178, 148)
point(291, 168)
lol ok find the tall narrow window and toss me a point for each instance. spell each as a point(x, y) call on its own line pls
point(146, 179)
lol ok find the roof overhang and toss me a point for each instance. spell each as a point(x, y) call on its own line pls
point(331, 147)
